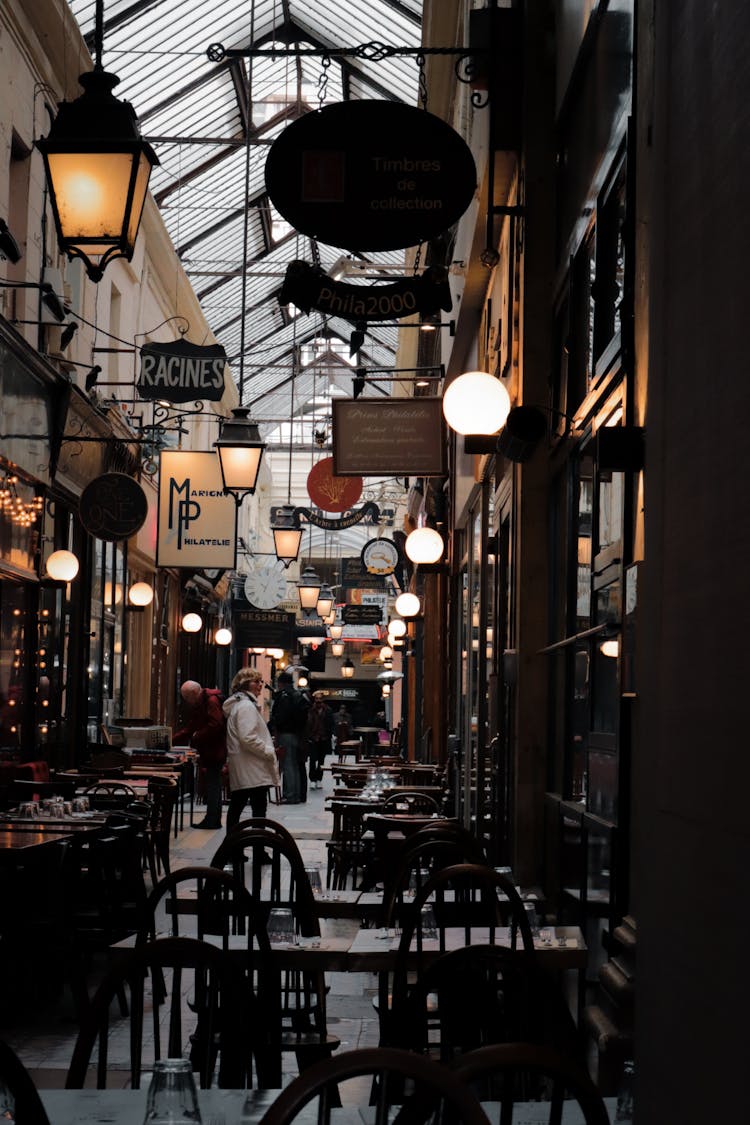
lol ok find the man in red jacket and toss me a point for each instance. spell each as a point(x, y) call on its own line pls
point(205, 731)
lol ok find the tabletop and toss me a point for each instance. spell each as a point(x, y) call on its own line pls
point(14, 843)
point(78, 823)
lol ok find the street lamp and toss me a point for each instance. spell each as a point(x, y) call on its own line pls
point(476, 403)
point(192, 622)
point(347, 669)
point(287, 534)
point(97, 167)
point(408, 605)
point(62, 566)
point(308, 589)
point(424, 545)
point(141, 594)
point(240, 450)
point(324, 602)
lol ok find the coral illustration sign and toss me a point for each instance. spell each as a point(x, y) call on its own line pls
point(329, 492)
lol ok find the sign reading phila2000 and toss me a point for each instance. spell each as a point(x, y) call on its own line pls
point(197, 522)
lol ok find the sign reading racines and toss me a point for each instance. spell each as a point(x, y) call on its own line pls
point(182, 372)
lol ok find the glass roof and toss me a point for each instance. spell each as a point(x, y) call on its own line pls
point(194, 109)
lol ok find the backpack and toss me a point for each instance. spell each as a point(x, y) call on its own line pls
point(290, 712)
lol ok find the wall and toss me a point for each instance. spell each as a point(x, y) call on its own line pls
point(693, 768)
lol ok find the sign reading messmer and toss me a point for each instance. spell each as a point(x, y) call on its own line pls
point(197, 522)
point(389, 438)
point(370, 175)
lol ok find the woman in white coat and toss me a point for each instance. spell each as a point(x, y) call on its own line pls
point(251, 758)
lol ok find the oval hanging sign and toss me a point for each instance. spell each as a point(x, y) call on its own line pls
point(113, 506)
point(329, 492)
point(370, 175)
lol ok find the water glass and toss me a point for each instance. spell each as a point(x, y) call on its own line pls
point(532, 917)
point(172, 1096)
point(281, 926)
point(429, 924)
point(316, 884)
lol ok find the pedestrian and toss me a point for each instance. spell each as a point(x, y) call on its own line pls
point(205, 731)
point(319, 736)
point(288, 722)
point(251, 757)
point(343, 724)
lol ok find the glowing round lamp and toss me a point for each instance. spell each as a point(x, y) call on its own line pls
point(337, 648)
point(258, 651)
point(385, 690)
point(388, 665)
point(386, 653)
point(476, 403)
point(610, 648)
point(397, 627)
point(141, 593)
point(308, 589)
point(223, 636)
point(347, 669)
point(275, 653)
point(408, 605)
point(240, 450)
point(97, 168)
point(335, 631)
point(302, 681)
point(324, 604)
point(62, 566)
point(424, 545)
point(192, 623)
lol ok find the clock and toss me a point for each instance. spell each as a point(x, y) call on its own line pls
point(380, 556)
point(266, 587)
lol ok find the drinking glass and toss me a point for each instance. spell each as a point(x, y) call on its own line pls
point(172, 1096)
point(429, 924)
point(281, 926)
point(316, 885)
point(532, 917)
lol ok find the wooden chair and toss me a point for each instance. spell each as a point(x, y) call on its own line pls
point(277, 878)
point(441, 844)
point(434, 1094)
point(163, 797)
point(204, 901)
point(348, 853)
point(412, 803)
point(477, 996)
point(110, 795)
point(229, 1024)
point(349, 748)
point(24, 1104)
point(512, 1072)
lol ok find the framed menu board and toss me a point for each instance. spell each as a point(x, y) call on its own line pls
point(392, 437)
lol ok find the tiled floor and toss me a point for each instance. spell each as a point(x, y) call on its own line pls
point(44, 1036)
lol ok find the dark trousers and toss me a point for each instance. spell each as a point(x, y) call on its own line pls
point(213, 795)
point(293, 772)
point(258, 798)
point(318, 751)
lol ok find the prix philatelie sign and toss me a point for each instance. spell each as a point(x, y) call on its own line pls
point(370, 175)
point(182, 372)
point(197, 522)
point(391, 437)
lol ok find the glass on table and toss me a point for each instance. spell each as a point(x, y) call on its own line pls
point(532, 918)
point(429, 923)
point(316, 883)
point(172, 1096)
point(280, 926)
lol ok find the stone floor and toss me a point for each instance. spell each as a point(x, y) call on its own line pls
point(44, 1035)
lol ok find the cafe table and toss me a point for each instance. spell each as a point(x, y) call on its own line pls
point(367, 733)
point(15, 845)
point(128, 1107)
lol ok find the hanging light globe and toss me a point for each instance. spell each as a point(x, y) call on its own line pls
point(324, 604)
point(424, 545)
point(408, 605)
point(337, 648)
point(476, 403)
point(335, 631)
point(192, 623)
point(308, 588)
point(141, 594)
point(396, 627)
point(386, 653)
point(275, 653)
point(62, 566)
point(258, 651)
point(610, 648)
point(223, 636)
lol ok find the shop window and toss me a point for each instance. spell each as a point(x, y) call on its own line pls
point(581, 338)
point(13, 664)
point(610, 264)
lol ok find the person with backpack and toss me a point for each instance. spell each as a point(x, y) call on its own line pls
point(205, 730)
point(288, 721)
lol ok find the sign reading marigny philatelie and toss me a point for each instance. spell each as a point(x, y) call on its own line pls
point(197, 522)
point(181, 372)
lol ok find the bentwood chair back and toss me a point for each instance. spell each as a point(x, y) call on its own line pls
point(159, 978)
point(24, 1104)
point(432, 1092)
point(429, 849)
point(514, 1073)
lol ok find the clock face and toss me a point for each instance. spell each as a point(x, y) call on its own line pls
point(266, 587)
point(380, 556)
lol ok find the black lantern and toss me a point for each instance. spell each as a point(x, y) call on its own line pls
point(308, 589)
point(287, 534)
point(97, 167)
point(240, 451)
point(347, 669)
